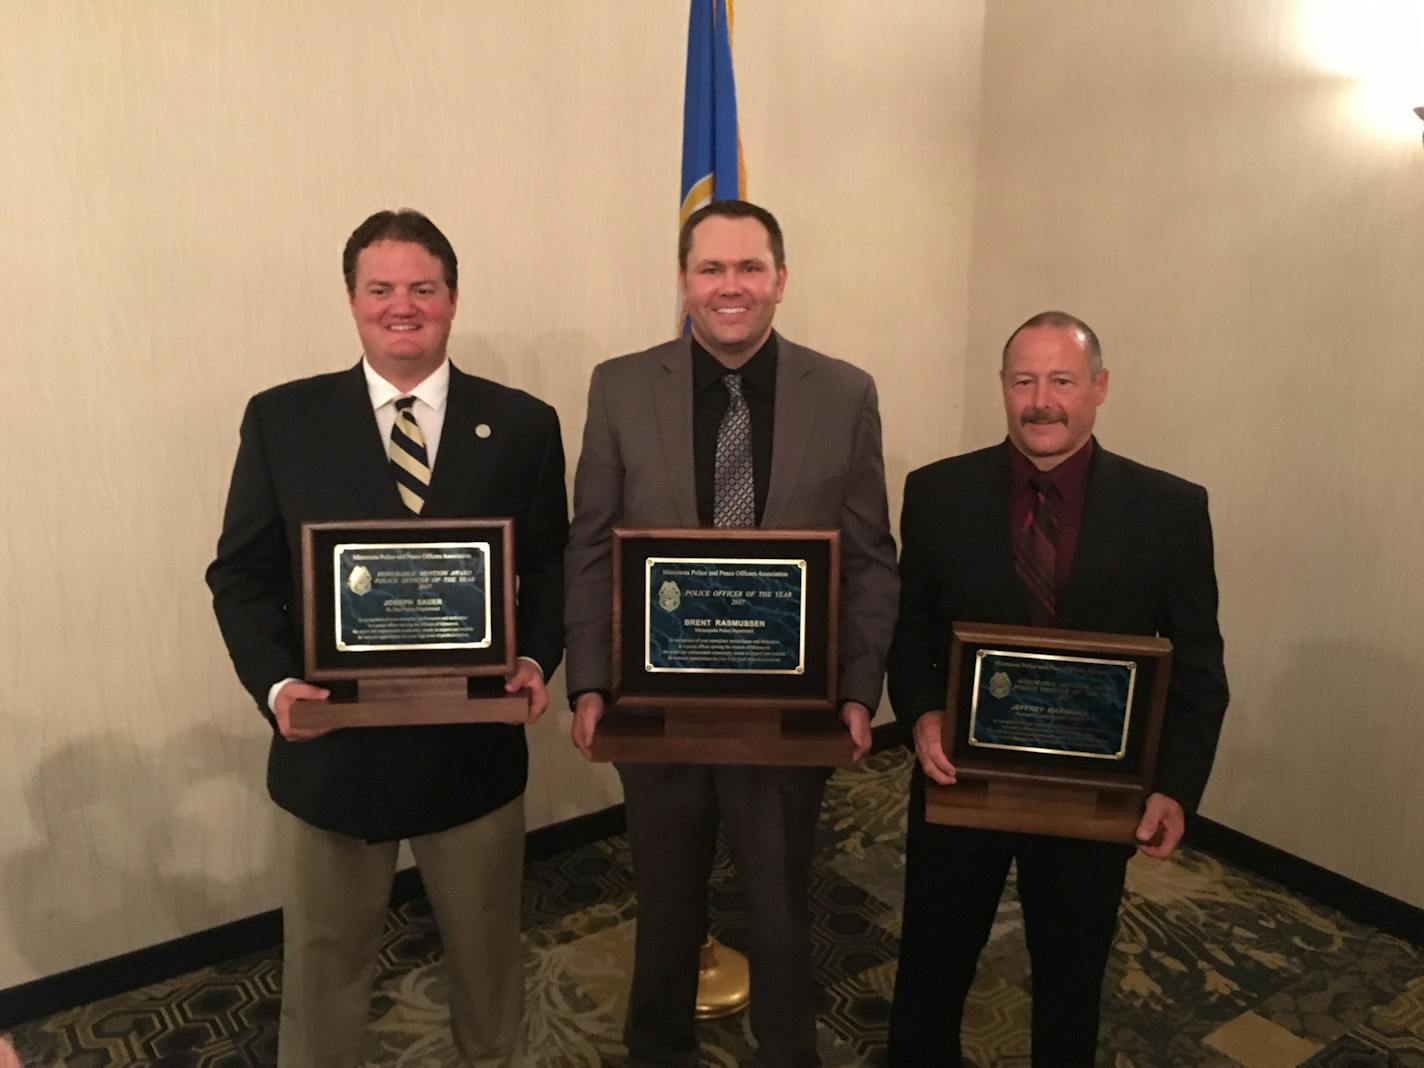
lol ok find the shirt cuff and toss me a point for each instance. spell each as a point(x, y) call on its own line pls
point(543, 675)
point(272, 694)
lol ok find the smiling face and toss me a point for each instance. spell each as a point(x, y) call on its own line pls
point(403, 311)
point(731, 287)
point(1051, 395)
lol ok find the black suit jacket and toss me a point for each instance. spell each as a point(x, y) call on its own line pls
point(1143, 566)
point(311, 450)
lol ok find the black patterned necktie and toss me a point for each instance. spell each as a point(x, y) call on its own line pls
point(1036, 552)
point(409, 461)
point(733, 489)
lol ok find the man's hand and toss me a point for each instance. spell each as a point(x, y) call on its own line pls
point(930, 748)
point(1162, 827)
point(282, 709)
point(527, 679)
point(857, 718)
point(588, 710)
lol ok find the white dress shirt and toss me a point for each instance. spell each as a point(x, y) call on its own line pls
point(428, 409)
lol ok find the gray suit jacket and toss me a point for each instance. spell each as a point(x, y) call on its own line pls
point(827, 471)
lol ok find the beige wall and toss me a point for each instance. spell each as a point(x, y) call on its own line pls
point(180, 177)
point(1232, 194)
point(1203, 182)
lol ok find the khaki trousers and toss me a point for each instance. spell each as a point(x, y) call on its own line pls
point(334, 912)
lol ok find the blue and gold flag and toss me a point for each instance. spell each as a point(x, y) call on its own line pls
point(712, 167)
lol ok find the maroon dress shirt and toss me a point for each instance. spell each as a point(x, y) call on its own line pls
point(1070, 478)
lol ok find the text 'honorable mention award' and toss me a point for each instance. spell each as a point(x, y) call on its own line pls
point(411, 596)
point(408, 622)
point(725, 616)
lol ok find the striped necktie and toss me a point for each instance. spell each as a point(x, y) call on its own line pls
point(1036, 553)
point(409, 462)
point(733, 487)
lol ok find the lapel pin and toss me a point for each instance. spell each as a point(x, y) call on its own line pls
point(482, 431)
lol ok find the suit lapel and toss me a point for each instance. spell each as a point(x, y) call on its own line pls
point(797, 403)
point(356, 441)
point(465, 462)
point(672, 403)
point(1101, 541)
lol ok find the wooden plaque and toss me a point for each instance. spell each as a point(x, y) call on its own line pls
point(724, 648)
point(1051, 731)
point(406, 612)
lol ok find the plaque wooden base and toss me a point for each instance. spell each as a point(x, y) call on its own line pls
point(724, 736)
point(1067, 811)
point(399, 702)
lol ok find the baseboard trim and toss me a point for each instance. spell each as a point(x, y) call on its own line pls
point(569, 834)
point(153, 964)
point(1359, 902)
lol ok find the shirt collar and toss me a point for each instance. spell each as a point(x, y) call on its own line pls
point(1070, 476)
point(431, 392)
point(759, 372)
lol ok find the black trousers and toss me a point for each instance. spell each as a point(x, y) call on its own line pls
point(769, 815)
point(954, 876)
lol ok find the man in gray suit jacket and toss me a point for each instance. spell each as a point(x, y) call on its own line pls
point(654, 436)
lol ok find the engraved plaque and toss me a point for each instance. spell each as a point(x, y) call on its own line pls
point(408, 622)
point(412, 595)
point(725, 615)
point(1051, 703)
point(725, 618)
point(1051, 732)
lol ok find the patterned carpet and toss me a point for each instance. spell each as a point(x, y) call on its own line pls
point(1213, 967)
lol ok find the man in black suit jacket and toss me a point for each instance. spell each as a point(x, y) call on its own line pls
point(316, 449)
point(1133, 556)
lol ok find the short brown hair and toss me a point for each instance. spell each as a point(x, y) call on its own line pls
point(404, 224)
point(732, 209)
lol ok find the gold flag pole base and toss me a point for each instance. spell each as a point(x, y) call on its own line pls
point(723, 982)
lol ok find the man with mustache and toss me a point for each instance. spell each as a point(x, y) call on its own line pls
point(1047, 529)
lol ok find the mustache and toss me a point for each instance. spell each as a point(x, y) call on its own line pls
point(1043, 416)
